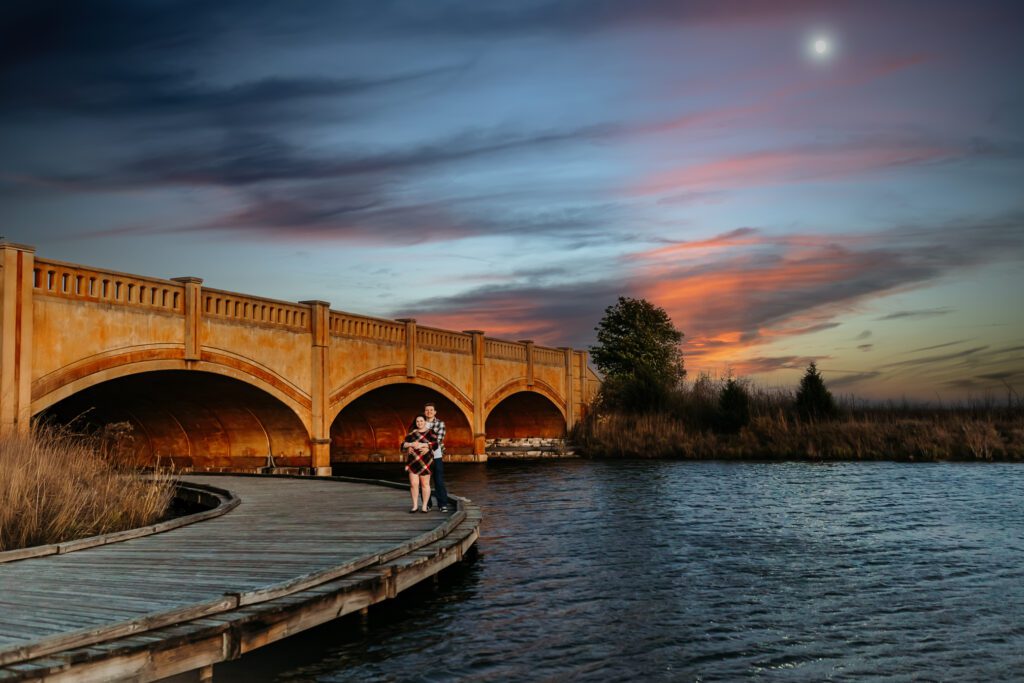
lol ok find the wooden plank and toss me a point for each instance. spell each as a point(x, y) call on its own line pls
point(225, 503)
point(226, 553)
point(86, 636)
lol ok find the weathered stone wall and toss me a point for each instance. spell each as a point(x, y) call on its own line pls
point(529, 448)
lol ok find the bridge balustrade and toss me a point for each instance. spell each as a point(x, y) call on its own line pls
point(364, 327)
point(53, 278)
point(546, 356)
point(505, 350)
point(443, 340)
point(250, 309)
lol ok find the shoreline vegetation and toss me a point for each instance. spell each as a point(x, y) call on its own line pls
point(57, 486)
point(644, 409)
point(706, 420)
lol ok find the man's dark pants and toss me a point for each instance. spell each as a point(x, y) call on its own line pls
point(437, 483)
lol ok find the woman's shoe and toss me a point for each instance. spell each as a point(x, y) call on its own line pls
point(424, 510)
point(412, 511)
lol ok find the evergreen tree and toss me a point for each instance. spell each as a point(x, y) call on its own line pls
point(733, 407)
point(813, 399)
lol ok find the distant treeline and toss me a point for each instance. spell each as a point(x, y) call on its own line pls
point(644, 417)
point(645, 409)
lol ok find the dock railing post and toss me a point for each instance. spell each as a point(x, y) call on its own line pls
point(17, 263)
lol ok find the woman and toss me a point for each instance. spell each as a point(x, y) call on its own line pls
point(419, 446)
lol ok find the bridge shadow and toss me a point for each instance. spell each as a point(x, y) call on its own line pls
point(204, 421)
point(190, 419)
point(372, 426)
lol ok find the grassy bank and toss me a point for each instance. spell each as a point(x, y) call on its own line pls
point(56, 487)
point(692, 427)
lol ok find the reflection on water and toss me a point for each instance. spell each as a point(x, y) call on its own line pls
point(702, 571)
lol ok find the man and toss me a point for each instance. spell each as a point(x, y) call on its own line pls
point(435, 423)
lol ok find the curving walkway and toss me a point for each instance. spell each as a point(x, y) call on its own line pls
point(292, 542)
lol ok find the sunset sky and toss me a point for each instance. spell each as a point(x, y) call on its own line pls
point(516, 166)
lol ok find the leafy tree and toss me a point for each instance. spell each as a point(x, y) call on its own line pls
point(642, 392)
point(813, 399)
point(636, 336)
point(733, 406)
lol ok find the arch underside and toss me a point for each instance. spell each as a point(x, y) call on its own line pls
point(374, 423)
point(190, 419)
point(525, 414)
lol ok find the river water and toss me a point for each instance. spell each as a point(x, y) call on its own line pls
point(702, 571)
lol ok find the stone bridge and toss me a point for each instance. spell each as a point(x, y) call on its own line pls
point(215, 380)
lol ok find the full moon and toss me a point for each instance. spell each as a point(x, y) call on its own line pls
point(820, 46)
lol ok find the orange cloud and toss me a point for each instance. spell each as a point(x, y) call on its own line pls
point(779, 167)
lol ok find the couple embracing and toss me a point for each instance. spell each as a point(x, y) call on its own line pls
point(424, 454)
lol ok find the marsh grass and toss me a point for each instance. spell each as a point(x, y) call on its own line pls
point(56, 486)
point(691, 428)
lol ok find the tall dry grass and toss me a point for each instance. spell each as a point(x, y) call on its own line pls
point(690, 427)
point(56, 486)
point(779, 437)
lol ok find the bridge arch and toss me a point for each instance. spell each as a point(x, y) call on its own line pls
point(69, 381)
point(517, 410)
point(189, 418)
point(371, 424)
point(364, 384)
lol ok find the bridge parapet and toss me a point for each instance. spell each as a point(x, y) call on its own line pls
point(71, 281)
point(366, 327)
point(255, 310)
point(444, 340)
point(505, 350)
point(547, 356)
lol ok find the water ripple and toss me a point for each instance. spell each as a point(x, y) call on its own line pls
point(705, 571)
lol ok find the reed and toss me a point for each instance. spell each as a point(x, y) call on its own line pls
point(692, 429)
point(56, 486)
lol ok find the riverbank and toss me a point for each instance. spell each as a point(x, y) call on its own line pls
point(57, 487)
point(908, 435)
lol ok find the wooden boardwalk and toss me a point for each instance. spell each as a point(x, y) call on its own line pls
point(295, 553)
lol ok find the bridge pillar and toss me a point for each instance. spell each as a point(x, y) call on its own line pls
point(479, 431)
point(320, 436)
point(582, 412)
point(16, 282)
point(410, 346)
point(529, 361)
point(570, 399)
point(193, 315)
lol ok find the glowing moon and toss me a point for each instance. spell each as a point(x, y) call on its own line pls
point(820, 46)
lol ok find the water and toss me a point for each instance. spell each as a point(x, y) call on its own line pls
point(703, 571)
